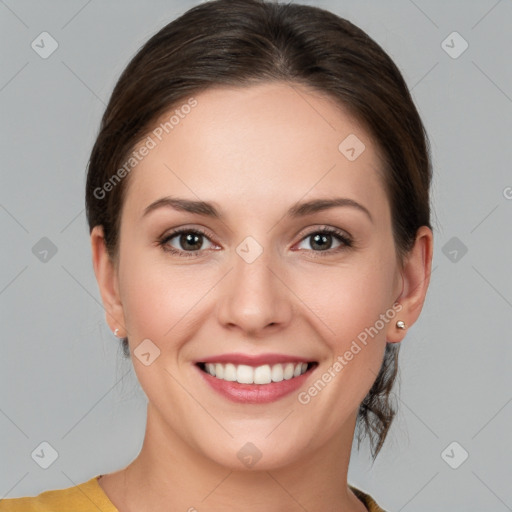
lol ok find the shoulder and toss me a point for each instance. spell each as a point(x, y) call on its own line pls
point(85, 497)
point(366, 499)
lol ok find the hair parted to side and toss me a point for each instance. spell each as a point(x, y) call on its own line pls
point(244, 42)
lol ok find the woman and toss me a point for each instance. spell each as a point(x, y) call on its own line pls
point(258, 200)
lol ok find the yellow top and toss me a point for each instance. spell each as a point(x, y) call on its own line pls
point(89, 497)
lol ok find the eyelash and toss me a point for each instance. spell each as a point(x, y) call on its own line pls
point(339, 235)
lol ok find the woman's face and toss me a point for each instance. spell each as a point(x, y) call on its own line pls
point(260, 289)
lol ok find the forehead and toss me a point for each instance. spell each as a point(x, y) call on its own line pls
point(258, 145)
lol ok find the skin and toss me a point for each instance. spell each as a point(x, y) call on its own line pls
point(254, 152)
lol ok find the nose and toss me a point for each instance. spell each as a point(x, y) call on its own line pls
point(254, 297)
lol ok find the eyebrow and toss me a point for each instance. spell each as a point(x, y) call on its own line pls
point(297, 210)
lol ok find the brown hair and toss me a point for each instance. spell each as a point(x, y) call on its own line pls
point(241, 42)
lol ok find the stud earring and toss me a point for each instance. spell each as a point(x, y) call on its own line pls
point(116, 332)
point(400, 324)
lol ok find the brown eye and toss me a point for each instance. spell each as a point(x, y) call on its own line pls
point(322, 240)
point(187, 242)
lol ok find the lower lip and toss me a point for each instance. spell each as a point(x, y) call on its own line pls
point(254, 393)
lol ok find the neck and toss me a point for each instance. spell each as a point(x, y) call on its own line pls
point(169, 474)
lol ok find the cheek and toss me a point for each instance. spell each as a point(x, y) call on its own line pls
point(350, 298)
point(159, 299)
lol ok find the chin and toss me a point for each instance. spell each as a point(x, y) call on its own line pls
point(254, 453)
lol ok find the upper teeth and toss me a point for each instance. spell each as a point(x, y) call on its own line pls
point(256, 375)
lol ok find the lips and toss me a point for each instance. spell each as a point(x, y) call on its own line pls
point(254, 360)
point(255, 379)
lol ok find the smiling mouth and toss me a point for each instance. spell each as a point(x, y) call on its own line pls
point(263, 374)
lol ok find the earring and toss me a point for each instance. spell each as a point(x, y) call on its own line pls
point(116, 333)
point(400, 324)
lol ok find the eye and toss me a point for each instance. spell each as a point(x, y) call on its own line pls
point(190, 240)
point(322, 240)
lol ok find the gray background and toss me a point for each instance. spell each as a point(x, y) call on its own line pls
point(63, 378)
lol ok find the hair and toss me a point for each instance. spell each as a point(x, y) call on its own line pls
point(245, 42)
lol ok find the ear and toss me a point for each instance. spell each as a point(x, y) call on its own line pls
point(106, 275)
point(416, 278)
